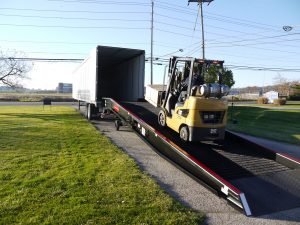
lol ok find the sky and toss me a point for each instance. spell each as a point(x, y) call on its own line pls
point(247, 35)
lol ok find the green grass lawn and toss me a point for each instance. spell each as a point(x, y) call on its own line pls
point(271, 123)
point(55, 168)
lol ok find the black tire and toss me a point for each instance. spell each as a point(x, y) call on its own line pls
point(118, 123)
point(184, 133)
point(90, 111)
point(162, 118)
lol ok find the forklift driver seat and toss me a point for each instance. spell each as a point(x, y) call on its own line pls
point(171, 103)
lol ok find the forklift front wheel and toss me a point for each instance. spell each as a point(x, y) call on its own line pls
point(162, 118)
point(184, 133)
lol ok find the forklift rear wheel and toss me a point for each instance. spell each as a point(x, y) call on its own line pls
point(162, 118)
point(184, 133)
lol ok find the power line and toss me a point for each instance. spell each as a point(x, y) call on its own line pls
point(253, 47)
point(95, 19)
point(156, 43)
point(111, 19)
point(181, 34)
point(179, 7)
point(171, 32)
point(255, 57)
point(174, 9)
point(248, 21)
point(170, 17)
point(256, 39)
point(226, 20)
point(74, 18)
point(173, 25)
point(247, 67)
point(161, 30)
point(212, 26)
point(131, 20)
point(190, 28)
point(42, 59)
point(258, 43)
point(74, 27)
point(222, 28)
point(102, 2)
point(239, 23)
point(162, 6)
point(74, 11)
point(56, 53)
point(76, 43)
point(233, 44)
point(254, 68)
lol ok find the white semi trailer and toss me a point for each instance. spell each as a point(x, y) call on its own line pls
point(109, 72)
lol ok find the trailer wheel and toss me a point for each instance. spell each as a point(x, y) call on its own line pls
point(162, 118)
point(87, 110)
point(184, 133)
point(88, 113)
point(91, 111)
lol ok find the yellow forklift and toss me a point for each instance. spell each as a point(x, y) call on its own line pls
point(191, 107)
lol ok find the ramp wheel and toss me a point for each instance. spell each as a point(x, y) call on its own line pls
point(184, 133)
point(162, 118)
point(118, 123)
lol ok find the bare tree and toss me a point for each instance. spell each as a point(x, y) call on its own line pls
point(282, 85)
point(13, 69)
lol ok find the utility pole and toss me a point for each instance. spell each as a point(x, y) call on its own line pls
point(202, 29)
point(202, 25)
point(151, 59)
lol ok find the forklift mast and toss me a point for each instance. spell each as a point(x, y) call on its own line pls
point(174, 73)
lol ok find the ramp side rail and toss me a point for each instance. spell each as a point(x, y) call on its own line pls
point(179, 156)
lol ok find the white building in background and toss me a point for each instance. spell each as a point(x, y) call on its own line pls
point(271, 96)
point(64, 88)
